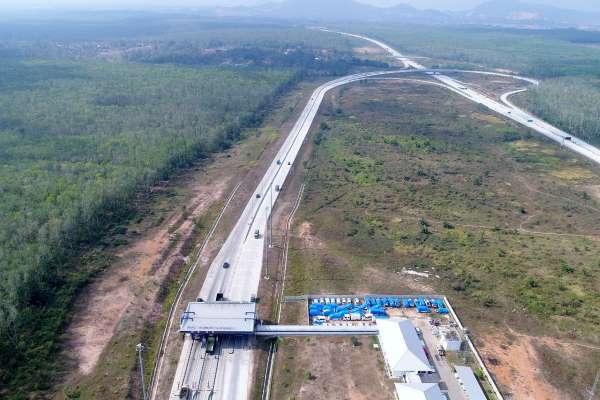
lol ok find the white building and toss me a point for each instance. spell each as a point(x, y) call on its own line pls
point(418, 391)
point(450, 340)
point(402, 348)
point(469, 383)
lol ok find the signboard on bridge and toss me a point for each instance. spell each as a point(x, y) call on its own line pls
point(219, 317)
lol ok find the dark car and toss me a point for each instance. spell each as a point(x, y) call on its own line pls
point(226, 265)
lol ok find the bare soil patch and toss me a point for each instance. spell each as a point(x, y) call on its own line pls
point(330, 368)
point(516, 367)
point(131, 285)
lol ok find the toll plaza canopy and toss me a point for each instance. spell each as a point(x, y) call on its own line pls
point(219, 317)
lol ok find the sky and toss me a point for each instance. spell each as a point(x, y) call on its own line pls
point(11, 5)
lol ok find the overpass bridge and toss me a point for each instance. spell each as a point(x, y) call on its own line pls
point(239, 319)
point(315, 330)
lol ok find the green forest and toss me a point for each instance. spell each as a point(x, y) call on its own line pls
point(77, 141)
point(573, 104)
point(93, 113)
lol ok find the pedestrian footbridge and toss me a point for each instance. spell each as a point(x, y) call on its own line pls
point(315, 330)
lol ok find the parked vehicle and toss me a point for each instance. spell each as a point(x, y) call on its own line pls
point(441, 351)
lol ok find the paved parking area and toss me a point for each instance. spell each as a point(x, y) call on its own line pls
point(446, 375)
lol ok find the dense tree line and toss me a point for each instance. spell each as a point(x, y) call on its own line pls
point(540, 53)
point(307, 59)
point(77, 142)
point(573, 104)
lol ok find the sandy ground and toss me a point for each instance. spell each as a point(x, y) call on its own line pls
point(516, 367)
point(143, 265)
point(330, 368)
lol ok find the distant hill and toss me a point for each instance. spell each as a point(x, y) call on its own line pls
point(494, 12)
point(514, 12)
point(336, 10)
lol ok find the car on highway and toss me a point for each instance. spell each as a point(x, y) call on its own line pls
point(257, 234)
point(226, 265)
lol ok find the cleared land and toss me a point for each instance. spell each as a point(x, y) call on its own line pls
point(411, 177)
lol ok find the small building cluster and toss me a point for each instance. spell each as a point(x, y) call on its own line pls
point(407, 361)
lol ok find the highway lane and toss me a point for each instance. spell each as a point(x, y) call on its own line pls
point(244, 253)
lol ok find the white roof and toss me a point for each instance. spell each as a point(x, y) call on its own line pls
point(419, 391)
point(469, 383)
point(402, 347)
point(219, 317)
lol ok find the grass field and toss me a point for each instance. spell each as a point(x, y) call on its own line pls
point(409, 177)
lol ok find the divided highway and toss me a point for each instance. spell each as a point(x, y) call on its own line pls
point(506, 108)
point(226, 373)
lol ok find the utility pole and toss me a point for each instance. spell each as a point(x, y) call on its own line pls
point(595, 385)
point(271, 219)
point(140, 349)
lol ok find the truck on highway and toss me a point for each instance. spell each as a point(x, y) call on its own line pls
point(257, 234)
